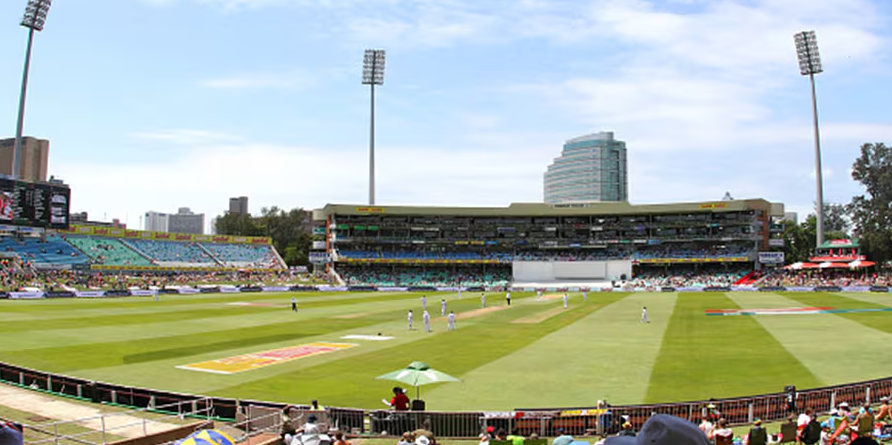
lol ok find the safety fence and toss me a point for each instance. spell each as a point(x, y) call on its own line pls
point(113, 427)
point(260, 416)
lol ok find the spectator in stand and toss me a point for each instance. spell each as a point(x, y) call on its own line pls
point(756, 435)
point(884, 411)
point(722, 435)
point(11, 433)
point(803, 420)
point(563, 438)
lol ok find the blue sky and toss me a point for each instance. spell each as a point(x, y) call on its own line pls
point(159, 104)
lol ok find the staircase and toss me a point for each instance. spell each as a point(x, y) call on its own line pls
point(747, 279)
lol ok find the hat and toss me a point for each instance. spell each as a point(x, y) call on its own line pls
point(844, 404)
point(757, 422)
point(490, 429)
point(663, 429)
point(834, 412)
point(422, 440)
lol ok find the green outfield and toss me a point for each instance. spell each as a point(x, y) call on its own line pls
point(531, 354)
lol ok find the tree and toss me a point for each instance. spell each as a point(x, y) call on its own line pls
point(836, 218)
point(290, 231)
point(872, 211)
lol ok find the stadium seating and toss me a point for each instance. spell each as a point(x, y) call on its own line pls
point(109, 251)
point(369, 275)
point(55, 250)
point(169, 253)
point(242, 255)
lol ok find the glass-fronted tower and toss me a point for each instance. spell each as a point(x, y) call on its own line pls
point(590, 168)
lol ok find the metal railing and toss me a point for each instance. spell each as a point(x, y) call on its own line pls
point(110, 427)
point(255, 417)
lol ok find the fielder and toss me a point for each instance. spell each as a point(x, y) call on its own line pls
point(585, 295)
point(427, 321)
point(443, 307)
point(451, 325)
point(459, 293)
point(424, 302)
point(411, 317)
point(483, 299)
point(293, 304)
point(538, 295)
point(508, 298)
point(565, 300)
point(644, 318)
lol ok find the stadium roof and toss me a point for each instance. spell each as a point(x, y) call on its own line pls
point(565, 209)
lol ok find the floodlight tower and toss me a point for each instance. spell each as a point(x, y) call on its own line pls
point(372, 74)
point(809, 65)
point(34, 19)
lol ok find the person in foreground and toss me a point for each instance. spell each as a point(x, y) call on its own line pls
point(663, 429)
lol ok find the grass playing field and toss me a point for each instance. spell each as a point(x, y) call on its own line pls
point(532, 354)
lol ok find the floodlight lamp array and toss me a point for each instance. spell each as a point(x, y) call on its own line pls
point(35, 14)
point(807, 50)
point(373, 67)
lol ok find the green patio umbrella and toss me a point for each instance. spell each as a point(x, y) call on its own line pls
point(417, 374)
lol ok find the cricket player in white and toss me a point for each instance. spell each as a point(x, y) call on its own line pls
point(585, 295)
point(508, 298)
point(483, 299)
point(411, 317)
point(644, 318)
point(427, 321)
point(565, 301)
point(451, 326)
point(459, 293)
point(443, 308)
point(538, 295)
point(424, 302)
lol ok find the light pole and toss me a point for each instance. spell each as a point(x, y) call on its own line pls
point(34, 19)
point(809, 65)
point(372, 74)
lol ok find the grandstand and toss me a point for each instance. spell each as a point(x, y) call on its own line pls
point(101, 248)
point(547, 245)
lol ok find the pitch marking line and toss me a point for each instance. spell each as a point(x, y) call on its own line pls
point(248, 362)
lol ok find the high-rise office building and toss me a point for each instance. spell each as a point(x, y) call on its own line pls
point(238, 206)
point(35, 156)
point(184, 221)
point(156, 221)
point(590, 168)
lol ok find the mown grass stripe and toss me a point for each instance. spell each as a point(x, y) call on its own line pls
point(703, 357)
point(827, 343)
point(578, 364)
point(457, 353)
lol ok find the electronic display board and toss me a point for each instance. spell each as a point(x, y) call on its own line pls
point(32, 204)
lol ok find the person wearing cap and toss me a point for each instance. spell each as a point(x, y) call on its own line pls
point(757, 435)
point(663, 429)
point(627, 430)
point(11, 433)
point(563, 438)
point(287, 430)
point(491, 432)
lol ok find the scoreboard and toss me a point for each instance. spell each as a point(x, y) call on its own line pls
point(32, 204)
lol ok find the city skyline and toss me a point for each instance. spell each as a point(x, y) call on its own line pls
point(182, 102)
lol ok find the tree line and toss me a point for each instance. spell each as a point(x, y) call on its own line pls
point(867, 218)
point(290, 231)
